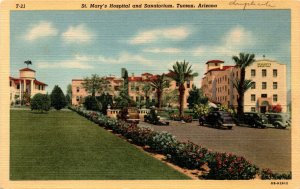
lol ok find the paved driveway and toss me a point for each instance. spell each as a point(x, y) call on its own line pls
point(267, 148)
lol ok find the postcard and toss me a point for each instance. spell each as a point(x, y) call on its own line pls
point(149, 94)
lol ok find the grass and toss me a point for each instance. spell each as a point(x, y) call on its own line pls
point(65, 146)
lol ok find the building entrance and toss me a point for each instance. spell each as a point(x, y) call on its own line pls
point(263, 109)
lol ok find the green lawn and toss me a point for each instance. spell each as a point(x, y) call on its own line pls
point(62, 145)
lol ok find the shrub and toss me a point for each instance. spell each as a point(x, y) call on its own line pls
point(176, 117)
point(267, 174)
point(40, 102)
point(225, 166)
point(189, 155)
point(105, 100)
point(163, 142)
point(123, 114)
point(91, 103)
point(200, 110)
point(58, 99)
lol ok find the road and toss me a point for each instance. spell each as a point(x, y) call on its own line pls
point(266, 148)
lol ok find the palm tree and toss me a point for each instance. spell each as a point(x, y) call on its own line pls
point(241, 84)
point(27, 62)
point(159, 83)
point(146, 89)
point(181, 73)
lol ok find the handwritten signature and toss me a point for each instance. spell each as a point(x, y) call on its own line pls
point(251, 3)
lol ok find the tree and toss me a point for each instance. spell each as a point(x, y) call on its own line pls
point(123, 100)
point(170, 97)
point(95, 84)
point(181, 73)
point(27, 62)
point(125, 77)
point(146, 90)
point(241, 84)
point(105, 100)
point(69, 94)
point(91, 103)
point(196, 96)
point(159, 84)
point(40, 102)
point(58, 99)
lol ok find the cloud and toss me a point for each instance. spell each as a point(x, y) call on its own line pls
point(78, 34)
point(73, 63)
point(233, 42)
point(40, 30)
point(177, 34)
point(163, 50)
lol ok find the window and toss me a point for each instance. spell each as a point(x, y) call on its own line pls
point(132, 87)
point(142, 98)
point(177, 84)
point(77, 98)
point(264, 85)
point(274, 72)
point(10, 83)
point(77, 89)
point(264, 72)
point(264, 95)
point(253, 72)
point(18, 86)
point(137, 99)
point(188, 84)
point(137, 88)
point(252, 109)
point(253, 86)
point(275, 85)
point(275, 98)
point(253, 98)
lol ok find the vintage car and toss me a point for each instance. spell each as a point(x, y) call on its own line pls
point(130, 115)
point(254, 119)
point(217, 119)
point(279, 120)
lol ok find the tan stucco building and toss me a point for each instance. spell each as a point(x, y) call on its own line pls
point(269, 85)
point(78, 92)
point(135, 85)
point(26, 85)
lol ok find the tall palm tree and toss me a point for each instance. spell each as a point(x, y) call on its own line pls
point(146, 90)
point(241, 84)
point(159, 83)
point(181, 73)
point(27, 62)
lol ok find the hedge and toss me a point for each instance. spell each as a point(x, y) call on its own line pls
point(221, 166)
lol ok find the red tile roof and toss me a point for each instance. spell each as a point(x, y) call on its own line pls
point(147, 74)
point(27, 69)
point(39, 83)
point(219, 69)
point(134, 78)
point(17, 81)
point(215, 61)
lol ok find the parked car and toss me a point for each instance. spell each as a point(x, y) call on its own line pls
point(254, 119)
point(130, 115)
point(217, 119)
point(279, 120)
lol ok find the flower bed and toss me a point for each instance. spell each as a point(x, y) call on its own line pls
point(188, 155)
point(176, 117)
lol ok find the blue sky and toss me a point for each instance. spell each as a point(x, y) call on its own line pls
point(66, 45)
